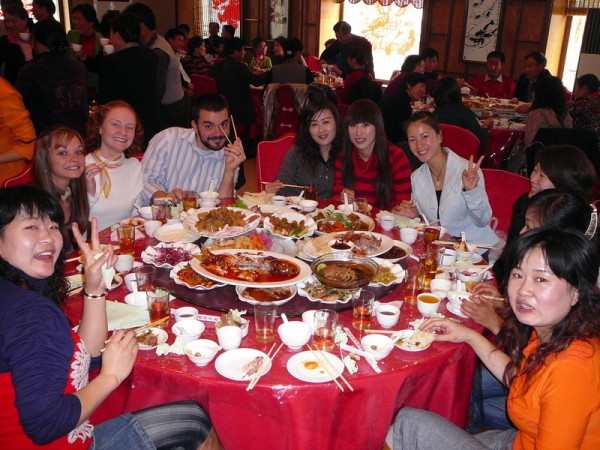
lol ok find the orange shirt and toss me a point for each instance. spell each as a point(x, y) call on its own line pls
point(16, 130)
point(560, 409)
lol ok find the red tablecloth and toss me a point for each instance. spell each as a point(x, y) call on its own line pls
point(500, 141)
point(283, 412)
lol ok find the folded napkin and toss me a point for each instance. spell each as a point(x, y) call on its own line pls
point(176, 347)
point(261, 198)
point(124, 316)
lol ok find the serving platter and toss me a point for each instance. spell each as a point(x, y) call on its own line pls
point(191, 219)
point(304, 270)
point(174, 233)
point(164, 253)
point(174, 275)
point(335, 216)
point(316, 292)
point(243, 296)
point(319, 246)
point(307, 230)
point(397, 273)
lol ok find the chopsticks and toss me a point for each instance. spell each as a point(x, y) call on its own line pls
point(150, 325)
point(259, 373)
point(329, 368)
point(285, 185)
point(225, 134)
point(452, 243)
point(235, 136)
point(491, 297)
point(465, 266)
point(380, 331)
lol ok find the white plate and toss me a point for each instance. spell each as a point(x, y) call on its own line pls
point(363, 218)
point(309, 224)
point(397, 271)
point(318, 246)
point(266, 210)
point(239, 291)
point(405, 345)
point(174, 233)
point(312, 283)
point(161, 336)
point(190, 219)
point(231, 363)
point(304, 273)
point(279, 245)
point(151, 253)
point(174, 276)
point(407, 248)
point(296, 366)
point(456, 311)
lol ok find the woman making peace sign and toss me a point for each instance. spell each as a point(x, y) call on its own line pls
point(447, 186)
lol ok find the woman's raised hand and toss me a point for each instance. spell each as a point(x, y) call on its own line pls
point(94, 284)
point(91, 170)
point(470, 176)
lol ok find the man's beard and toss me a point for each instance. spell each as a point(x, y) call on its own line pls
point(210, 142)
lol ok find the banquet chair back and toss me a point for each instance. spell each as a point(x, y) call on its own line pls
point(203, 85)
point(23, 177)
point(312, 62)
point(269, 156)
point(586, 140)
point(282, 103)
point(462, 142)
point(503, 189)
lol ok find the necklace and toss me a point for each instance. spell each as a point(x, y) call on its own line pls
point(437, 176)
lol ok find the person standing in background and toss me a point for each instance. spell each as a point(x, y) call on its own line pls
point(337, 53)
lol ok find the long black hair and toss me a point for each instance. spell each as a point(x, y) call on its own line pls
point(573, 258)
point(33, 201)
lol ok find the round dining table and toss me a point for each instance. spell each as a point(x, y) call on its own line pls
point(282, 412)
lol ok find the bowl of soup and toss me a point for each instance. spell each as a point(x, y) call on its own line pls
point(344, 270)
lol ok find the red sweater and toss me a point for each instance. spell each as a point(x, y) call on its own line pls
point(494, 88)
point(365, 174)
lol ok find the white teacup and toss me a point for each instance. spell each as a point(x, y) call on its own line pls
point(230, 337)
point(208, 203)
point(387, 222)
point(186, 313)
point(440, 287)
point(124, 263)
point(278, 200)
point(408, 235)
point(109, 48)
point(447, 257)
point(130, 281)
point(24, 37)
point(150, 226)
point(104, 41)
point(76, 47)
point(387, 315)
point(428, 304)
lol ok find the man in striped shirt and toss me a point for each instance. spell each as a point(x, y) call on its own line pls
point(183, 159)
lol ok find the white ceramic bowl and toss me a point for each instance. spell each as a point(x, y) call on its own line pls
point(426, 305)
point(294, 200)
point(207, 195)
point(146, 212)
point(244, 327)
point(461, 254)
point(206, 348)
point(188, 330)
point(308, 205)
point(294, 334)
point(128, 279)
point(408, 235)
point(373, 342)
point(186, 313)
point(278, 200)
point(470, 275)
point(76, 47)
point(138, 299)
point(346, 208)
point(440, 287)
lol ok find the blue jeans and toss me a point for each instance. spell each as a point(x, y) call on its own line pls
point(181, 424)
point(494, 395)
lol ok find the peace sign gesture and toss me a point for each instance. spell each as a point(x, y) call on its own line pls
point(470, 175)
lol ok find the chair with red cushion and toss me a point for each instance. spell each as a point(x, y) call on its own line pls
point(203, 85)
point(23, 177)
point(462, 142)
point(269, 156)
point(312, 62)
point(503, 189)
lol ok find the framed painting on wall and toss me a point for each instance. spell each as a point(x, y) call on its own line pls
point(482, 28)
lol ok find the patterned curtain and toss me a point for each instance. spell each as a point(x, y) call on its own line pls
point(221, 11)
point(400, 3)
point(580, 7)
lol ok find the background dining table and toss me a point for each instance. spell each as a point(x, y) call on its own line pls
point(284, 412)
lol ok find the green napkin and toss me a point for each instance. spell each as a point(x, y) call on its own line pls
point(123, 316)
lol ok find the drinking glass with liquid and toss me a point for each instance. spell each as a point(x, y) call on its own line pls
point(326, 321)
point(362, 309)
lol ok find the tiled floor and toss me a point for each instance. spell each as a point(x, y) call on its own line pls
point(250, 172)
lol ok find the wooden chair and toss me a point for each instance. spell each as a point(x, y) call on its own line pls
point(203, 85)
point(503, 189)
point(269, 156)
point(462, 142)
point(23, 177)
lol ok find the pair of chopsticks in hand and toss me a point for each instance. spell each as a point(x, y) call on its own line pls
point(234, 132)
point(260, 372)
point(321, 358)
point(141, 329)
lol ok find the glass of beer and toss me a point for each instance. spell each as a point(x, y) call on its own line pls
point(144, 277)
point(428, 263)
point(431, 234)
point(413, 286)
point(362, 309)
point(264, 319)
point(158, 305)
point(326, 321)
point(190, 200)
point(126, 235)
point(310, 192)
